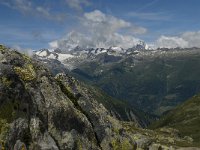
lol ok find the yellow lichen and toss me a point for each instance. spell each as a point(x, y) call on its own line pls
point(2, 145)
point(26, 73)
point(125, 145)
point(116, 130)
point(6, 81)
point(79, 145)
point(4, 128)
point(2, 48)
point(27, 58)
point(115, 145)
point(23, 147)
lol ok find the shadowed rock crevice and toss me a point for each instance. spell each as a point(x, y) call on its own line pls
point(74, 99)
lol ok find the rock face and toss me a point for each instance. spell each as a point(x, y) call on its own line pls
point(35, 111)
point(38, 111)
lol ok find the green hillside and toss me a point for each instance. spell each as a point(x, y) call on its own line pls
point(185, 118)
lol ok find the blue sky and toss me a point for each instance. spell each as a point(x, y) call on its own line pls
point(36, 23)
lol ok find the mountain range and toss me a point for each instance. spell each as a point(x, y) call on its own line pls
point(46, 108)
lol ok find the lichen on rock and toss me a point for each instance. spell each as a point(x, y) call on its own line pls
point(5, 81)
point(26, 73)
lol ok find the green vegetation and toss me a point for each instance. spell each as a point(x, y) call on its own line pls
point(185, 118)
point(7, 115)
point(121, 145)
point(4, 128)
point(2, 48)
point(164, 136)
point(7, 112)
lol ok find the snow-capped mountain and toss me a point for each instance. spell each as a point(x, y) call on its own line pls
point(89, 52)
point(47, 54)
point(78, 55)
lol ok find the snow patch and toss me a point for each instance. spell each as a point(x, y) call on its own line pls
point(52, 56)
point(41, 54)
point(62, 57)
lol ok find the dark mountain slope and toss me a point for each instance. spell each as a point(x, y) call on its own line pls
point(154, 84)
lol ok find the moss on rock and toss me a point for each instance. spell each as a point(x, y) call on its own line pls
point(2, 48)
point(7, 115)
point(4, 128)
point(121, 145)
point(7, 111)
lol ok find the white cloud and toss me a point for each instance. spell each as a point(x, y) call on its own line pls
point(97, 17)
point(77, 4)
point(53, 44)
point(46, 13)
point(23, 6)
point(26, 51)
point(43, 11)
point(171, 42)
point(27, 7)
point(185, 40)
point(193, 38)
point(107, 23)
point(102, 31)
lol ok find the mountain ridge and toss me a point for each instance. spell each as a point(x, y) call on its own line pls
point(39, 111)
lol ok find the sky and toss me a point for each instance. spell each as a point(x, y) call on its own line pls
point(36, 24)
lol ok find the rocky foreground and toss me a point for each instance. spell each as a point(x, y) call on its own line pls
point(39, 111)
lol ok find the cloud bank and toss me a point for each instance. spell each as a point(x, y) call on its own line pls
point(185, 40)
point(100, 30)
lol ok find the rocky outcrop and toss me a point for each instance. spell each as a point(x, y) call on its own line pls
point(38, 111)
point(35, 111)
